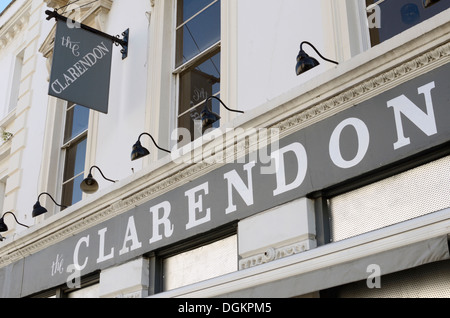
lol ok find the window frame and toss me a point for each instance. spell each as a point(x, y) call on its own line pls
point(64, 148)
point(321, 198)
point(156, 283)
point(17, 71)
point(199, 58)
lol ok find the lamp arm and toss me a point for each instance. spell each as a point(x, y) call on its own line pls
point(231, 110)
point(14, 218)
point(305, 42)
point(153, 142)
point(63, 206)
point(90, 172)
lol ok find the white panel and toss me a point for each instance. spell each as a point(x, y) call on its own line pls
point(202, 263)
point(416, 192)
point(287, 224)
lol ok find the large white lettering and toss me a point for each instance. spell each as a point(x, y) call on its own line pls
point(363, 143)
point(101, 252)
point(164, 221)
point(195, 205)
point(234, 181)
point(291, 166)
point(131, 235)
point(425, 121)
point(302, 163)
point(79, 68)
point(76, 252)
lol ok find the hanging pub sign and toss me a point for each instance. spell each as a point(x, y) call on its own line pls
point(81, 66)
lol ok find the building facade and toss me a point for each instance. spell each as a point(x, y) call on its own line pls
point(324, 177)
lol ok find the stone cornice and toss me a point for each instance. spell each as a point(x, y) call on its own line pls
point(170, 175)
point(14, 25)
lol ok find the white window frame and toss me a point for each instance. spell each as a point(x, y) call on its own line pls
point(66, 145)
point(180, 69)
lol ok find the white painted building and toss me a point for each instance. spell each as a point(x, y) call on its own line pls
point(329, 183)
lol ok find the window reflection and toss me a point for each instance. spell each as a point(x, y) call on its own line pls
point(200, 32)
point(76, 121)
point(399, 15)
point(75, 145)
point(196, 85)
point(198, 51)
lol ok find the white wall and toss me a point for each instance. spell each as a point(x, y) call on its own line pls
point(27, 125)
point(35, 123)
point(270, 33)
point(125, 121)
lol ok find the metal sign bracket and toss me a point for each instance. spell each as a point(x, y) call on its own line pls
point(117, 41)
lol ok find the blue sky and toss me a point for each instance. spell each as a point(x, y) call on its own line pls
point(3, 4)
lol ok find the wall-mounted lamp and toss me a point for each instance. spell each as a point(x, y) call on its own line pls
point(3, 226)
point(209, 117)
point(305, 62)
point(428, 3)
point(38, 209)
point(140, 152)
point(90, 185)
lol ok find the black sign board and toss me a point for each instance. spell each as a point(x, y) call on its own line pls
point(81, 67)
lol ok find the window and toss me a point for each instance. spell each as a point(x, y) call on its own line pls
point(388, 18)
point(16, 82)
point(205, 262)
point(2, 193)
point(199, 258)
point(84, 287)
point(197, 61)
point(404, 196)
point(74, 148)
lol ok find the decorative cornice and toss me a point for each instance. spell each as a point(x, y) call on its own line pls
point(163, 183)
point(14, 25)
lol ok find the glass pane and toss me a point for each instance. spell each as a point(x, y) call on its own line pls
point(75, 159)
point(196, 85)
point(188, 8)
point(400, 15)
point(198, 34)
point(71, 192)
point(77, 120)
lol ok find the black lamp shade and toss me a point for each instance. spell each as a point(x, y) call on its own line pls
point(208, 117)
point(38, 209)
point(138, 151)
point(305, 62)
point(3, 226)
point(89, 185)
